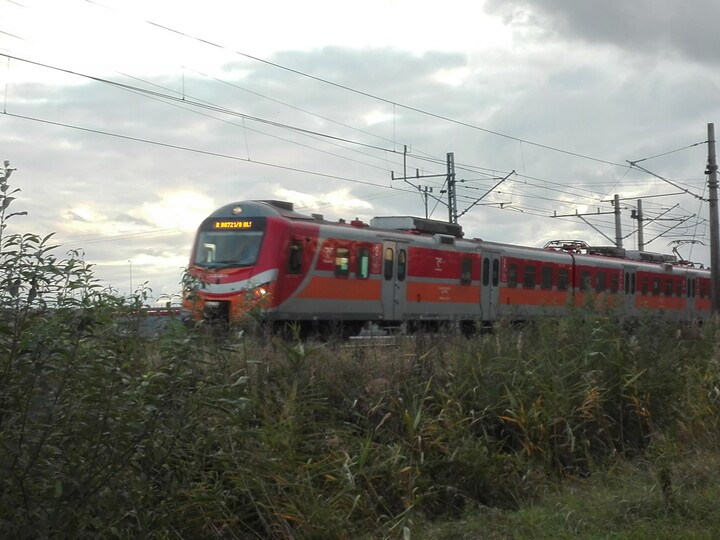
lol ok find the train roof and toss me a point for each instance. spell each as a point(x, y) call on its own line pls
point(260, 208)
point(412, 224)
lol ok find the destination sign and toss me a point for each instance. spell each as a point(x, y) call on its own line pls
point(232, 224)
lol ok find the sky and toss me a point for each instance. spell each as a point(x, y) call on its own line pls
point(129, 121)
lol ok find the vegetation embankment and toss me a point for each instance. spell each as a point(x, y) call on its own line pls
point(106, 434)
point(563, 428)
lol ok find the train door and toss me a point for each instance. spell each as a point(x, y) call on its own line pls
point(630, 284)
point(395, 266)
point(490, 282)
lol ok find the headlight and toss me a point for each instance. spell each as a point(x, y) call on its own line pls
point(258, 292)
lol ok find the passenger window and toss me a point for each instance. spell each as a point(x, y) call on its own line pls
point(295, 258)
point(656, 287)
point(562, 279)
point(389, 262)
point(601, 282)
point(614, 282)
point(668, 287)
point(546, 277)
point(627, 283)
point(342, 262)
point(496, 272)
point(529, 278)
point(486, 271)
point(363, 264)
point(585, 279)
point(512, 275)
point(644, 285)
point(466, 271)
point(632, 283)
point(402, 265)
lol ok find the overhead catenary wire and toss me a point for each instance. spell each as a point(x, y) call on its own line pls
point(195, 150)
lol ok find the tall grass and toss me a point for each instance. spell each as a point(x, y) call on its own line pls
point(112, 435)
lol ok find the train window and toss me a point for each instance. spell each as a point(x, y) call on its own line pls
point(342, 262)
point(692, 287)
point(601, 282)
point(512, 275)
point(486, 271)
point(496, 272)
point(546, 277)
point(295, 258)
point(656, 287)
point(644, 285)
point(668, 287)
point(614, 282)
point(402, 265)
point(632, 283)
point(388, 266)
point(678, 287)
point(363, 263)
point(703, 289)
point(529, 276)
point(466, 271)
point(627, 283)
point(562, 279)
point(585, 281)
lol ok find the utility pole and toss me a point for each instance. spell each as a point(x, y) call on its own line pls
point(131, 280)
point(711, 171)
point(452, 195)
point(639, 217)
point(618, 226)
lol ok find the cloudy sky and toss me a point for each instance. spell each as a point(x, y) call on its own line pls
point(128, 121)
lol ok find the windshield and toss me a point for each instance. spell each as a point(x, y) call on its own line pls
point(217, 249)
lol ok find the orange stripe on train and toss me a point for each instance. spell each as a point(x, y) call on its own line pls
point(332, 288)
point(442, 292)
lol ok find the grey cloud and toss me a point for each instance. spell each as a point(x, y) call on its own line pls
point(653, 27)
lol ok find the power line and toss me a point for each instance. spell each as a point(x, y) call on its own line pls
point(195, 150)
point(367, 94)
point(200, 104)
point(670, 152)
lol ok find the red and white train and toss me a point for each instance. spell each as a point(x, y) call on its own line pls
point(264, 257)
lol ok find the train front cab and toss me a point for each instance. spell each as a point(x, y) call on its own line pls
point(235, 261)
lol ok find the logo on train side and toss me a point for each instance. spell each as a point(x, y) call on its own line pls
point(328, 252)
point(439, 261)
